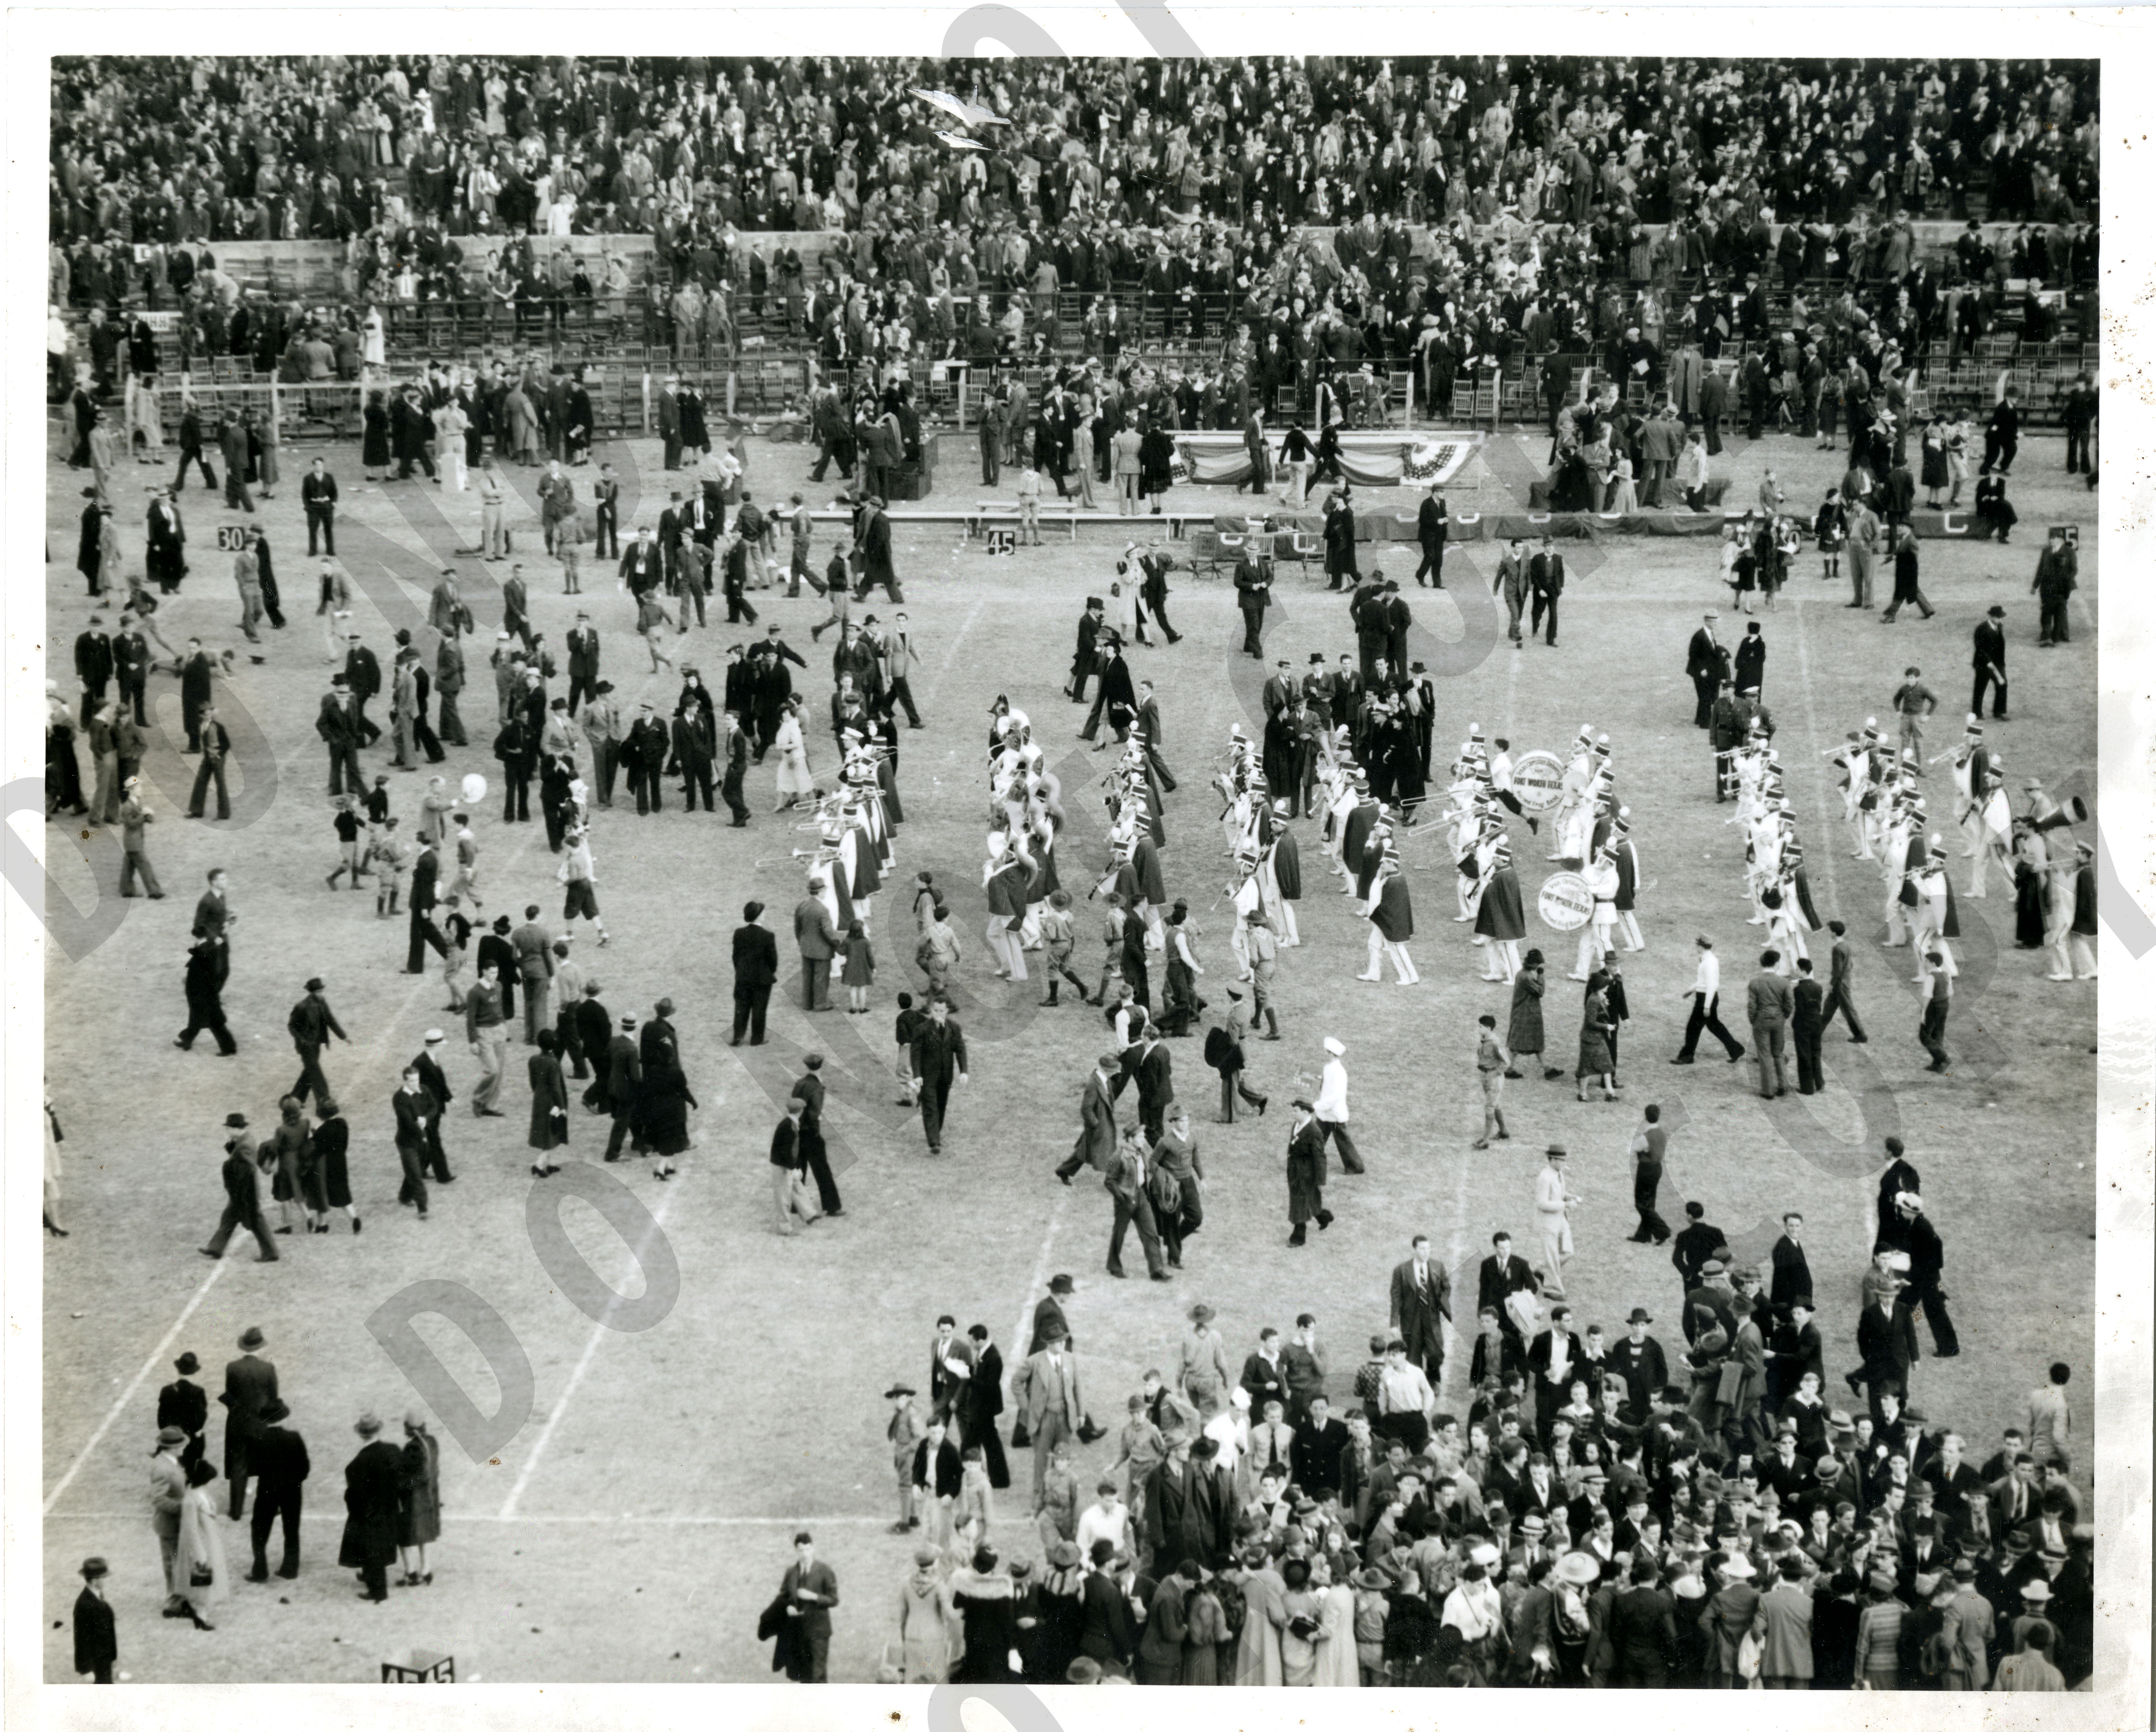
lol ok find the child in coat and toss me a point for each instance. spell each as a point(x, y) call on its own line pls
point(859, 970)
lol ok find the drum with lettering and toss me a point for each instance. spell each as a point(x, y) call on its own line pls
point(1566, 903)
point(1538, 780)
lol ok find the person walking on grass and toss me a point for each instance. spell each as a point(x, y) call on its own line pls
point(1524, 1038)
point(1492, 1063)
point(1705, 993)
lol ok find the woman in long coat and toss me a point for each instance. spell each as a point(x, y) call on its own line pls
point(1060, 1613)
point(928, 1639)
point(664, 1110)
point(198, 1565)
point(550, 1102)
point(794, 780)
point(1523, 1030)
point(986, 1601)
point(287, 1151)
point(331, 1180)
point(372, 1495)
point(1338, 1661)
point(418, 1500)
point(1595, 1029)
point(374, 440)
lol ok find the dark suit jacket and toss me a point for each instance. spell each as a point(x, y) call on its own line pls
point(756, 956)
point(1315, 1457)
point(946, 1473)
point(434, 1080)
point(96, 1638)
point(1155, 1084)
point(1189, 1517)
point(1810, 1006)
point(278, 1457)
point(1886, 1342)
point(426, 870)
point(1096, 1127)
point(1494, 1285)
point(1705, 658)
point(1416, 1315)
point(251, 1384)
point(624, 1073)
point(414, 1111)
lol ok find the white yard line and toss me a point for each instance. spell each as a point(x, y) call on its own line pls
point(600, 1329)
point(127, 1395)
point(1023, 1331)
point(427, 981)
point(951, 654)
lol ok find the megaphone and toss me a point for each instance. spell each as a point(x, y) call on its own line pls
point(2046, 814)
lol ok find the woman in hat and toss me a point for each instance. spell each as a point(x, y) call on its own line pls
point(285, 1154)
point(199, 1567)
point(663, 1110)
point(1059, 1614)
point(550, 1103)
point(186, 1405)
point(1596, 1029)
point(795, 780)
point(927, 1622)
point(418, 1500)
point(372, 1500)
point(986, 1601)
point(332, 1181)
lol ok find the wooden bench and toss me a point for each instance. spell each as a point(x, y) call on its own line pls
point(987, 511)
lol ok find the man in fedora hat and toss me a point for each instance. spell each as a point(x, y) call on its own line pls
point(186, 1405)
point(242, 1195)
point(278, 1459)
point(311, 1026)
point(372, 1481)
point(250, 1385)
point(1554, 1197)
point(96, 1639)
point(168, 1491)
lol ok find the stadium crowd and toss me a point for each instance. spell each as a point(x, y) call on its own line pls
point(1483, 207)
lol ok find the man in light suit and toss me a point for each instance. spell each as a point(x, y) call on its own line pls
point(1421, 1306)
point(1095, 1147)
point(168, 1490)
point(251, 1384)
point(1054, 1404)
